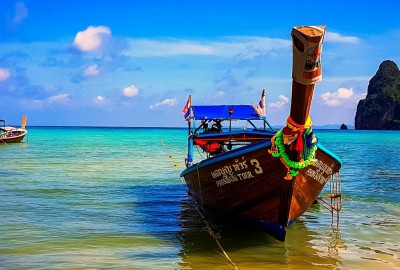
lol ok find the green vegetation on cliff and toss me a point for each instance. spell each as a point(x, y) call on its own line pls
point(381, 108)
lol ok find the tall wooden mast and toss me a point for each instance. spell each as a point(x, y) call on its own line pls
point(297, 137)
point(307, 69)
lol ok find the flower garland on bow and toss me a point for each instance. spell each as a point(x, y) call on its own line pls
point(278, 150)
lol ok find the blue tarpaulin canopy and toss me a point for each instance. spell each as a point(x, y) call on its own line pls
point(221, 112)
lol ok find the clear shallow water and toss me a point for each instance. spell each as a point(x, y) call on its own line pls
point(99, 198)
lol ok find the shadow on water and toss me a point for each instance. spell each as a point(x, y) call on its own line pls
point(253, 249)
point(167, 213)
point(146, 227)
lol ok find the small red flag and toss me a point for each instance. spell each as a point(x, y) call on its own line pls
point(260, 109)
point(187, 105)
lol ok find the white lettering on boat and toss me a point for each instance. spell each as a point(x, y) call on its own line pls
point(319, 171)
point(227, 179)
point(255, 163)
point(237, 171)
point(323, 168)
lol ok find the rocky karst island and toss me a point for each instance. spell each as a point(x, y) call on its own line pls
point(381, 107)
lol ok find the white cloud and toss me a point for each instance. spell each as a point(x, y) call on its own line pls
point(58, 98)
point(131, 91)
point(244, 46)
point(99, 100)
point(146, 47)
point(345, 93)
point(165, 103)
point(336, 37)
point(91, 71)
point(336, 98)
point(4, 74)
point(21, 13)
point(279, 104)
point(92, 38)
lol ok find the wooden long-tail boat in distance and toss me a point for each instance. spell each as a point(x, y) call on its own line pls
point(255, 175)
point(10, 134)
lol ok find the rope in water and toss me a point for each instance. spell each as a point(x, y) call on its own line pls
point(212, 234)
point(208, 226)
point(174, 164)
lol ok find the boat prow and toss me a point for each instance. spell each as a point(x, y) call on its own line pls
point(247, 185)
point(10, 134)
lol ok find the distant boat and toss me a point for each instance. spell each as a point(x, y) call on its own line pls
point(10, 134)
point(251, 174)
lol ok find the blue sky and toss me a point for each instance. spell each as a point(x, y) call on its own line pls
point(134, 63)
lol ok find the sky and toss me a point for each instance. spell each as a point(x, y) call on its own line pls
point(134, 63)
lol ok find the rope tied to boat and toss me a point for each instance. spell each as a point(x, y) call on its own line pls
point(216, 237)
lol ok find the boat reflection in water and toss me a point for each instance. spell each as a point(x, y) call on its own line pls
point(253, 249)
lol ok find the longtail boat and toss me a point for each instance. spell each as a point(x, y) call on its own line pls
point(246, 171)
point(10, 134)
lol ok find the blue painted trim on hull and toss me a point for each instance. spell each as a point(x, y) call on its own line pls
point(326, 150)
point(230, 154)
point(245, 150)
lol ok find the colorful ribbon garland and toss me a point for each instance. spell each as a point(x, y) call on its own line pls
point(278, 150)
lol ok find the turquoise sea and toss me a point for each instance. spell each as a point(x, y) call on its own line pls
point(111, 198)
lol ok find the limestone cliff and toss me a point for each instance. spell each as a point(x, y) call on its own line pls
point(381, 107)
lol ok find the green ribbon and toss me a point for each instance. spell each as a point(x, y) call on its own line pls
point(294, 165)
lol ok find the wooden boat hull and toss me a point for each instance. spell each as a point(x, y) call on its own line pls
point(248, 184)
point(13, 137)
